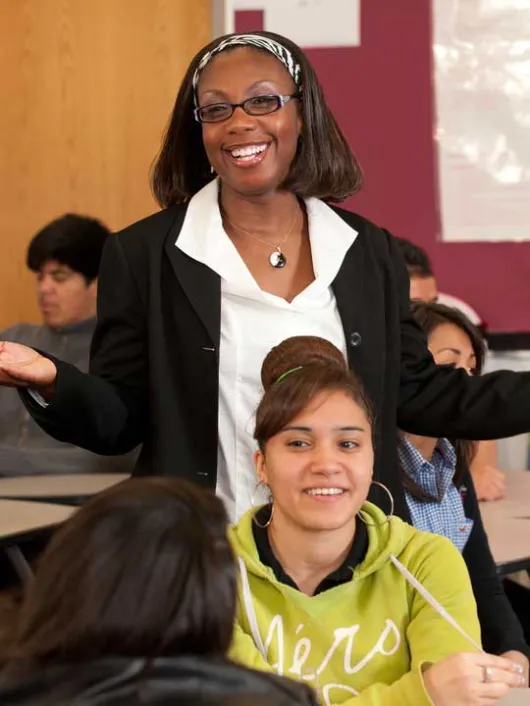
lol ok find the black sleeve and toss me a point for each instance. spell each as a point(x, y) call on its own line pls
point(104, 411)
point(439, 401)
point(501, 630)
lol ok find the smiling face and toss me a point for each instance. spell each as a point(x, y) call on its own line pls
point(319, 467)
point(450, 345)
point(252, 154)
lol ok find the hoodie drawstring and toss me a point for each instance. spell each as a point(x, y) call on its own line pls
point(249, 608)
point(432, 600)
point(253, 621)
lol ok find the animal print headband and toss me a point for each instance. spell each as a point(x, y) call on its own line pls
point(254, 40)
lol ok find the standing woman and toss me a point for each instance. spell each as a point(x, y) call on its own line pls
point(247, 252)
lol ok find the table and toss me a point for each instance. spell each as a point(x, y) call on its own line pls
point(507, 524)
point(62, 489)
point(22, 521)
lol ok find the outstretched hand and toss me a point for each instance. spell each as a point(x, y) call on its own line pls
point(21, 366)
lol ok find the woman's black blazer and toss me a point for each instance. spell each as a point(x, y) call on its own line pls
point(155, 356)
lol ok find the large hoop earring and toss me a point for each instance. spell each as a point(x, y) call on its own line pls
point(258, 485)
point(390, 514)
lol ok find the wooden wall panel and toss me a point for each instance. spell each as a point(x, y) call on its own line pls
point(87, 88)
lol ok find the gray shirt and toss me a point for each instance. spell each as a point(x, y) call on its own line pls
point(25, 449)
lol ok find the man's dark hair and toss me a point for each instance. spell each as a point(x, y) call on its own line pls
point(324, 165)
point(74, 241)
point(144, 569)
point(416, 259)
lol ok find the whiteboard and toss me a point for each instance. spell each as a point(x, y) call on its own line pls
point(482, 99)
point(309, 23)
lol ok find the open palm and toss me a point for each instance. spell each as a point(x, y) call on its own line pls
point(21, 366)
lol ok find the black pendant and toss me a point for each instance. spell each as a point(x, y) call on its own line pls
point(277, 259)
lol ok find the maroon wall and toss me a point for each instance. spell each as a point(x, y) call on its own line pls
point(381, 94)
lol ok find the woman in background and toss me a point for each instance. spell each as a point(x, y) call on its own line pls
point(439, 488)
point(133, 602)
point(326, 589)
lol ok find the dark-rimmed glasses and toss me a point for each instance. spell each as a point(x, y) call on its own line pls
point(258, 105)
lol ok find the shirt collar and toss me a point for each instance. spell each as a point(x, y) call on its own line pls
point(434, 476)
point(446, 449)
point(203, 238)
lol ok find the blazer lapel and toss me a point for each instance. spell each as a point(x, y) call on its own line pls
point(201, 285)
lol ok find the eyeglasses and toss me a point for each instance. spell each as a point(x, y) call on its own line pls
point(259, 105)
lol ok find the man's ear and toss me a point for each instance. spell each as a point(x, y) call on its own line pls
point(93, 288)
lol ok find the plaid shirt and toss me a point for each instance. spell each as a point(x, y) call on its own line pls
point(445, 516)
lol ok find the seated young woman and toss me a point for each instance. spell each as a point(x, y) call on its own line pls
point(134, 602)
point(326, 579)
point(439, 488)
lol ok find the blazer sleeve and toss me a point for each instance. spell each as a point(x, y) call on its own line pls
point(440, 401)
point(500, 627)
point(104, 411)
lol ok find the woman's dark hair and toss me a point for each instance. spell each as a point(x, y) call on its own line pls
point(430, 316)
point(142, 570)
point(72, 240)
point(324, 166)
point(293, 374)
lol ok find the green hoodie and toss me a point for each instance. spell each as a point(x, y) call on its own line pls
point(363, 642)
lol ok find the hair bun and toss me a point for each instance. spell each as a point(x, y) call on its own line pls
point(300, 351)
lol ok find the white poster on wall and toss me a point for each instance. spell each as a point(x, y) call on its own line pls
point(309, 23)
point(482, 93)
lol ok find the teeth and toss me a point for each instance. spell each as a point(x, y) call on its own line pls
point(325, 491)
point(248, 151)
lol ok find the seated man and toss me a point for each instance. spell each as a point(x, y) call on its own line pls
point(488, 479)
point(423, 286)
point(65, 256)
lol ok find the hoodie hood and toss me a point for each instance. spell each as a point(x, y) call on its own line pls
point(385, 538)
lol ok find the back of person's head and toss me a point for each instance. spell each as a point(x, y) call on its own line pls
point(293, 374)
point(71, 240)
point(142, 570)
point(300, 695)
point(416, 259)
point(431, 315)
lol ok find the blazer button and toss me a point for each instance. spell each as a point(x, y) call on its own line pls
point(355, 339)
